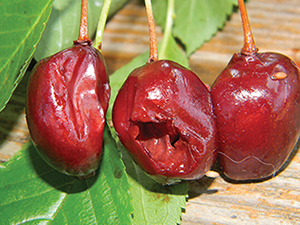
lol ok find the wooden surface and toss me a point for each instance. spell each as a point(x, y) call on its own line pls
point(276, 27)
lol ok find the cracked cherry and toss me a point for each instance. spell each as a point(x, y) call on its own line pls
point(256, 102)
point(163, 116)
point(67, 99)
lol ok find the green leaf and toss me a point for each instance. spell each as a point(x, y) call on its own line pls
point(61, 4)
point(154, 203)
point(22, 24)
point(63, 26)
point(195, 21)
point(33, 192)
point(160, 12)
point(173, 52)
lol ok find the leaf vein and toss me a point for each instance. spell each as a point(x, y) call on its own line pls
point(91, 200)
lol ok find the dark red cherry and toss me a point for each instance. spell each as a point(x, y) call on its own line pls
point(257, 105)
point(163, 116)
point(67, 100)
point(256, 102)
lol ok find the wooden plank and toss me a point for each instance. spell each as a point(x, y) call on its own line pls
point(276, 26)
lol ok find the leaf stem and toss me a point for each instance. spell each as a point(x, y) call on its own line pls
point(153, 41)
point(101, 24)
point(249, 47)
point(83, 38)
point(168, 29)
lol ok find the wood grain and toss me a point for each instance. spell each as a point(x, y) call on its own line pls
point(276, 27)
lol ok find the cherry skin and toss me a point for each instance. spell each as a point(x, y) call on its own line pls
point(67, 100)
point(163, 115)
point(256, 102)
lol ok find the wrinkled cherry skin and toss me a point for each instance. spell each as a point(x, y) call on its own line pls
point(257, 105)
point(163, 116)
point(67, 100)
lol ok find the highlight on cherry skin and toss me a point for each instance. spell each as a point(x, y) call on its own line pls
point(163, 116)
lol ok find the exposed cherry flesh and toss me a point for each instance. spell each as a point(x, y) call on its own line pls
point(163, 116)
point(67, 101)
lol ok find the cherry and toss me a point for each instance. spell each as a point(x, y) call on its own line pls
point(163, 115)
point(256, 102)
point(67, 100)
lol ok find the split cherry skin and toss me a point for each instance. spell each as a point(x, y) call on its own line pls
point(256, 102)
point(67, 99)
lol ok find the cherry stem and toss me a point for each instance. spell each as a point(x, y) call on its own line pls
point(83, 38)
point(153, 42)
point(249, 47)
point(101, 24)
